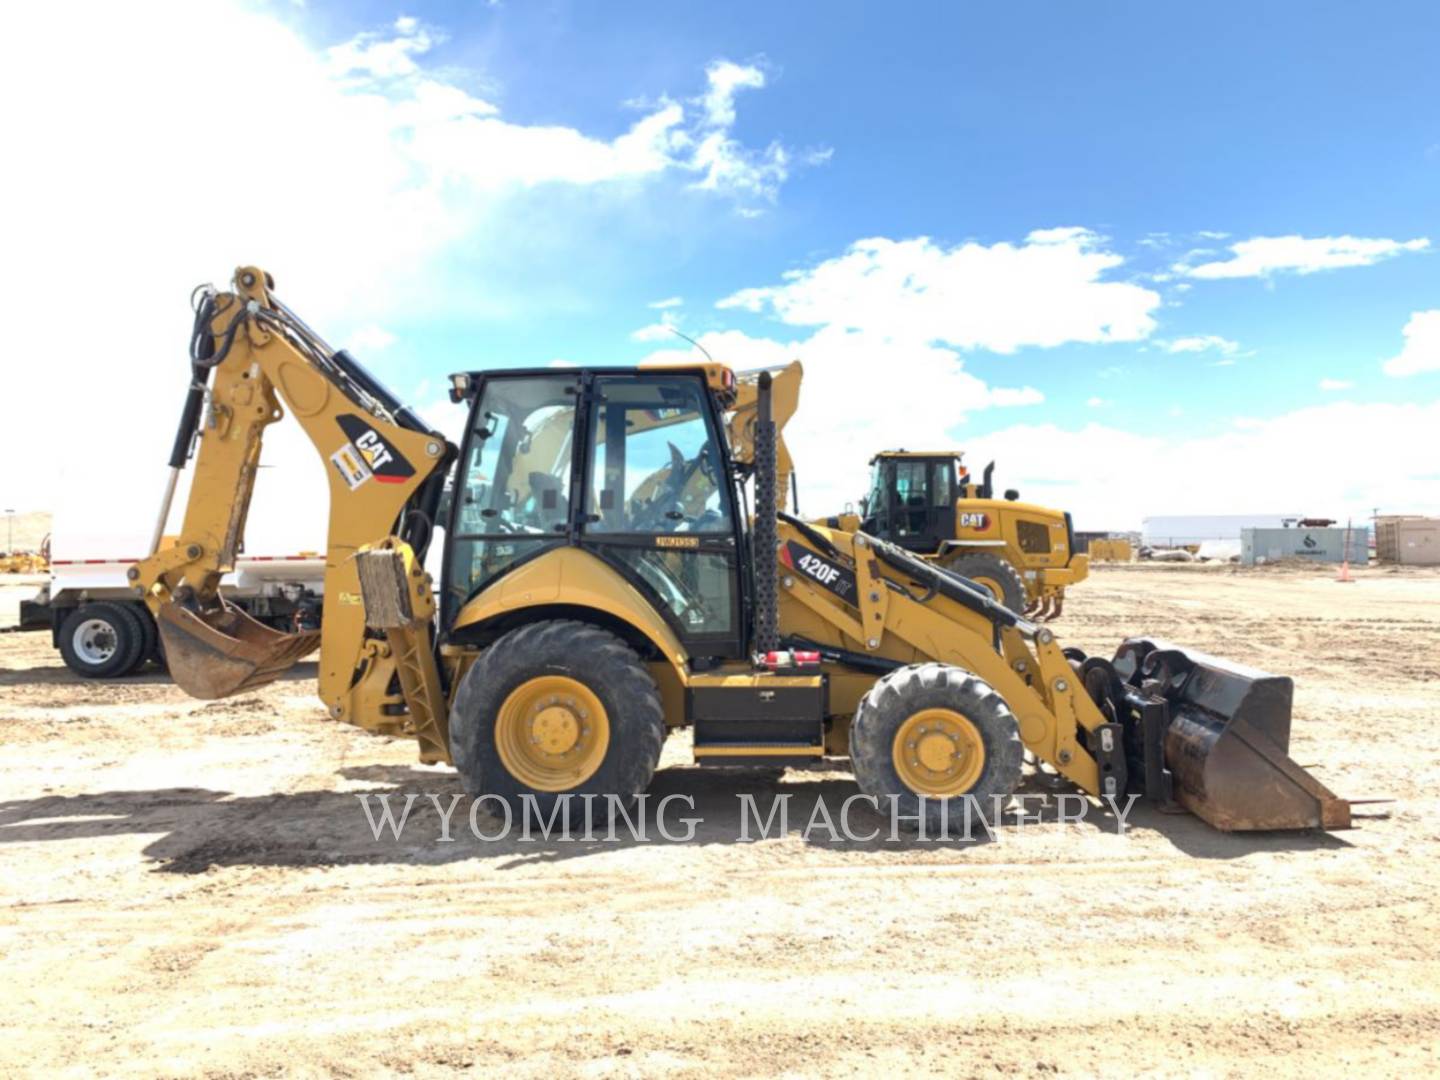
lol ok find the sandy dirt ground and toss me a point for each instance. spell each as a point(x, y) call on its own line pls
point(192, 889)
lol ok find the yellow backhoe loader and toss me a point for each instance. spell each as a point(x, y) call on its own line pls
point(1022, 554)
point(603, 583)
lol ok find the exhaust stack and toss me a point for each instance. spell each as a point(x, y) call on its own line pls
point(764, 536)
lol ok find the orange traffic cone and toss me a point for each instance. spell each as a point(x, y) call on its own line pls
point(1345, 572)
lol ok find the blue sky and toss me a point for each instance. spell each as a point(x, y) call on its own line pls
point(1095, 241)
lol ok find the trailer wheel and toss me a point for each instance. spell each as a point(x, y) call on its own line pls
point(936, 731)
point(996, 576)
point(557, 708)
point(102, 640)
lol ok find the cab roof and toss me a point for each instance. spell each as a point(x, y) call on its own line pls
point(718, 377)
point(949, 455)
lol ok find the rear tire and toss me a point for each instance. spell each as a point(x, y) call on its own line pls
point(102, 640)
point(150, 650)
point(539, 686)
point(940, 718)
point(996, 576)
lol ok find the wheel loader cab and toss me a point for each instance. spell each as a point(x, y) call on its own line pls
point(912, 500)
point(629, 466)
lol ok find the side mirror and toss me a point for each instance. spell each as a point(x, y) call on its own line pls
point(1011, 494)
point(864, 505)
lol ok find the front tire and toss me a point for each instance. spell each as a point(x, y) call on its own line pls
point(936, 731)
point(557, 708)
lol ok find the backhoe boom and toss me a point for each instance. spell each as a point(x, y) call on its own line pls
point(259, 360)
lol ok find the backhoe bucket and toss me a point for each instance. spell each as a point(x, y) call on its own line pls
point(225, 652)
point(1226, 741)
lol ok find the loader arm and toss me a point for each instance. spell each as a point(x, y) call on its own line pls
point(1172, 724)
point(384, 469)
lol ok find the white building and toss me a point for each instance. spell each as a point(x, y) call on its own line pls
point(1175, 531)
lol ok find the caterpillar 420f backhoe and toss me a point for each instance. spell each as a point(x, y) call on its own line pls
point(603, 584)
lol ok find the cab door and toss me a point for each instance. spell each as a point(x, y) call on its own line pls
point(916, 502)
point(658, 506)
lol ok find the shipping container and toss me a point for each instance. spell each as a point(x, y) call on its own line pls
point(1315, 545)
point(1408, 540)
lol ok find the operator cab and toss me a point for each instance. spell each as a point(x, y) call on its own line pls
point(912, 498)
point(631, 466)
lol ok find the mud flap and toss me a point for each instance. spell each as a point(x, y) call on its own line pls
point(225, 652)
point(1225, 739)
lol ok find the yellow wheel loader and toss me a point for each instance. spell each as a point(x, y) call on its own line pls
point(604, 584)
point(1023, 555)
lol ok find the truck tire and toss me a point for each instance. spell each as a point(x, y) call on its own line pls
point(102, 640)
point(557, 708)
point(151, 633)
point(938, 731)
point(996, 576)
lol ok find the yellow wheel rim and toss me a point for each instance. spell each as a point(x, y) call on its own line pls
point(552, 733)
point(938, 752)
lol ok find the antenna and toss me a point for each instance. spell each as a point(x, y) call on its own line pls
point(692, 341)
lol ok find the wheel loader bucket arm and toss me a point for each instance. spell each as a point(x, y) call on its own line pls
point(259, 360)
point(1171, 724)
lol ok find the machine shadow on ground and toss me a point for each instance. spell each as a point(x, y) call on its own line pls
point(199, 828)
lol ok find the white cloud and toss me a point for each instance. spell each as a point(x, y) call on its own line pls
point(903, 312)
point(1333, 385)
point(725, 79)
point(371, 182)
point(1262, 256)
point(1422, 346)
point(1096, 402)
point(370, 338)
point(1045, 291)
point(668, 302)
point(723, 162)
point(386, 57)
point(836, 429)
point(1201, 343)
point(1091, 471)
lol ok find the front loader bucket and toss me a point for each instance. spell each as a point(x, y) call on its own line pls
point(225, 652)
point(1226, 742)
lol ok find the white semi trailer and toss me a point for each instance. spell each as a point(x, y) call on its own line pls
point(102, 630)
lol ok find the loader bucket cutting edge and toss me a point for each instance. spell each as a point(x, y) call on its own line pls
point(225, 652)
point(1227, 741)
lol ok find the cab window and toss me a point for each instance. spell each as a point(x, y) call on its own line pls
point(514, 487)
point(654, 466)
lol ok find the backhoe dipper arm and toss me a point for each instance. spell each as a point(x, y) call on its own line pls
point(384, 468)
